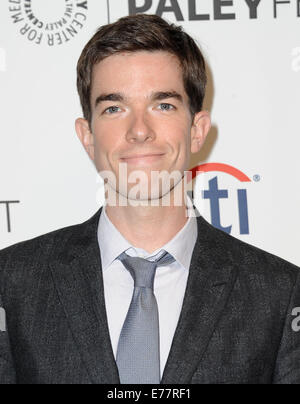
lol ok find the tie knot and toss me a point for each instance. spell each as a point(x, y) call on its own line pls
point(143, 270)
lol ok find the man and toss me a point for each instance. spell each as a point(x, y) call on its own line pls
point(145, 291)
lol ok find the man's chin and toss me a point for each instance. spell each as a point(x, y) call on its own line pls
point(146, 197)
point(150, 196)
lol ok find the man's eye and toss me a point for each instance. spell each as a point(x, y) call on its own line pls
point(111, 110)
point(166, 107)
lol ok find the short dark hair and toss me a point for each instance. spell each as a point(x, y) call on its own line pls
point(147, 32)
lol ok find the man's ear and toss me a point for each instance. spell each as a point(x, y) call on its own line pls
point(85, 136)
point(201, 127)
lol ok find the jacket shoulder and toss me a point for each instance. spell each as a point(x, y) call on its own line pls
point(34, 253)
point(36, 245)
point(248, 257)
point(260, 274)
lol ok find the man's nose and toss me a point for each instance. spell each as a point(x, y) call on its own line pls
point(140, 129)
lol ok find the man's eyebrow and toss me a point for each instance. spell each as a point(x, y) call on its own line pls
point(156, 96)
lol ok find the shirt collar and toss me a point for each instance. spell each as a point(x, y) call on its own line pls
point(112, 243)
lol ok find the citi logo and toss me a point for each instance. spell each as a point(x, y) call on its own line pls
point(215, 193)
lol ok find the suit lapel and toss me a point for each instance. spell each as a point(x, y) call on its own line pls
point(79, 282)
point(211, 279)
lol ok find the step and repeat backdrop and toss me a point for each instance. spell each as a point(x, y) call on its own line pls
point(251, 158)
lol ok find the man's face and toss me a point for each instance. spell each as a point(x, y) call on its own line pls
point(132, 117)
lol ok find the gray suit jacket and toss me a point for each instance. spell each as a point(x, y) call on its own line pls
point(235, 325)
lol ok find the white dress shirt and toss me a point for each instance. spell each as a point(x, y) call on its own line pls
point(169, 283)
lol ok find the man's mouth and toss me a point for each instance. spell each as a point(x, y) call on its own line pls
point(142, 159)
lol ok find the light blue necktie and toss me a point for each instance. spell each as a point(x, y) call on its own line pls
point(138, 354)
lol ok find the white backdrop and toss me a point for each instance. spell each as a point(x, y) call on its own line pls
point(252, 49)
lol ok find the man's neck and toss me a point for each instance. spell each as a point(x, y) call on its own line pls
point(149, 227)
